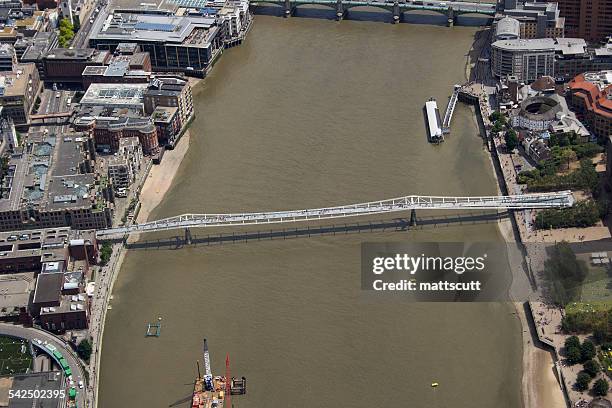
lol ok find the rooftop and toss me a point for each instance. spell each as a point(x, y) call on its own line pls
point(15, 82)
point(154, 26)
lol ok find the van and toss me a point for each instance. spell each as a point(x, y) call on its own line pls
point(12, 238)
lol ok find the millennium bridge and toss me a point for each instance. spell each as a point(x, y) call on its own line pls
point(411, 203)
point(451, 9)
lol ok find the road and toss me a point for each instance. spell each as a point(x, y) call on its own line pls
point(31, 334)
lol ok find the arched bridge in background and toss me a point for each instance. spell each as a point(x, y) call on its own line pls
point(411, 203)
point(451, 9)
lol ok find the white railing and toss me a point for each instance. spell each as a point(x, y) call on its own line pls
point(536, 201)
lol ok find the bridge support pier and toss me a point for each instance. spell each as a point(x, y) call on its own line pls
point(188, 239)
point(397, 13)
point(413, 218)
point(452, 18)
point(340, 11)
point(288, 8)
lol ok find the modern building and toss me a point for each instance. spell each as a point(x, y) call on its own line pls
point(18, 91)
point(507, 28)
point(530, 59)
point(536, 19)
point(588, 19)
point(527, 60)
point(124, 166)
point(590, 96)
point(176, 43)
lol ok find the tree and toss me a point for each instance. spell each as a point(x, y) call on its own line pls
point(601, 387)
point(564, 274)
point(591, 367)
point(84, 349)
point(105, 253)
point(573, 355)
point(572, 341)
point(511, 140)
point(582, 381)
point(587, 350)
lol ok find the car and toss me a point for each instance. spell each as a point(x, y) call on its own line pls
point(68, 101)
point(81, 384)
point(91, 21)
point(12, 238)
point(58, 94)
point(54, 86)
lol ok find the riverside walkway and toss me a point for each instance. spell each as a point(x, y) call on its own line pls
point(408, 203)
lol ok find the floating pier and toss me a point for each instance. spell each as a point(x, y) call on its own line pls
point(434, 124)
point(153, 330)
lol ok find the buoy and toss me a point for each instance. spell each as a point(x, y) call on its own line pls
point(434, 384)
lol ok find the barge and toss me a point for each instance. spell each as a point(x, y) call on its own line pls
point(435, 133)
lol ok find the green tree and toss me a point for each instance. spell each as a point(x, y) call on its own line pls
point(511, 140)
point(582, 381)
point(564, 274)
point(84, 349)
point(587, 350)
point(572, 341)
point(592, 367)
point(573, 355)
point(105, 253)
point(601, 387)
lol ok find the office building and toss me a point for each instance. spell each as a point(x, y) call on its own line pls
point(18, 91)
point(588, 19)
point(176, 43)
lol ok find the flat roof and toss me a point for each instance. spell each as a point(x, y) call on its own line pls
point(48, 288)
point(150, 26)
point(37, 381)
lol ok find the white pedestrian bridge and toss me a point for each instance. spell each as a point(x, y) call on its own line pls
point(559, 199)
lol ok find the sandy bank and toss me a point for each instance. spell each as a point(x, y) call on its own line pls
point(160, 178)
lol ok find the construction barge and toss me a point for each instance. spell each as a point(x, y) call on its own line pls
point(215, 391)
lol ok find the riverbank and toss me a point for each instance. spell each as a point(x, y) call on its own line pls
point(160, 178)
point(157, 184)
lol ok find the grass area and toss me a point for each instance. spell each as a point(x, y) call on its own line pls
point(15, 357)
point(597, 286)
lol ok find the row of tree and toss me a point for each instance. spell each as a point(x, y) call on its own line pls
point(583, 214)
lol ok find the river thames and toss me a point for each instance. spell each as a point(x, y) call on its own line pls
point(308, 113)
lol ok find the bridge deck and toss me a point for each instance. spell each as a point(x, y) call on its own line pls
point(525, 201)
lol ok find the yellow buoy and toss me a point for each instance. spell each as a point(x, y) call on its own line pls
point(434, 384)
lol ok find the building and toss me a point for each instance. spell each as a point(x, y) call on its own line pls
point(18, 91)
point(33, 50)
point(123, 68)
point(530, 59)
point(168, 124)
point(114, 111)
point(588, 19)
point(536, 19)
point(7, 57)
point(536, 149)
point(109, 131)
point(176, 43)
point(525, 59)
point(507, 28)
point(67, 65)
point(123, 167)
point(49, 183)
point(170, 92)
point(590, 96)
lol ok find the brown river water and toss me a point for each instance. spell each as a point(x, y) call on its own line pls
point(309, 113)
